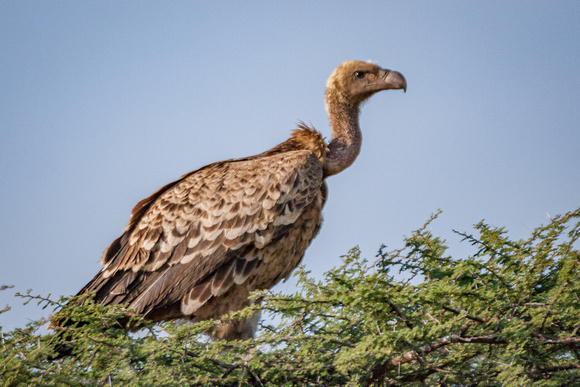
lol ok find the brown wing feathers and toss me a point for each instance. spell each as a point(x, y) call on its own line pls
point(197, 237)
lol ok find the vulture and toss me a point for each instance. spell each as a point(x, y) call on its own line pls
point(199, 246)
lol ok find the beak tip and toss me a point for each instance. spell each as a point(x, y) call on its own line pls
point(395, 80)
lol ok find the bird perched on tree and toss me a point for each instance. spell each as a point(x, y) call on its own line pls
point(199, 246)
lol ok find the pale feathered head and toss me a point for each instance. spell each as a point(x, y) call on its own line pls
point(354, 81)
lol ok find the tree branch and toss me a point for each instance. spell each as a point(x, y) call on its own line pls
point(379, 371)
point(457, 311)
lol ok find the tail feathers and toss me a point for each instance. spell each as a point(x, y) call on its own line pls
point(62, 346)
point(83, 321)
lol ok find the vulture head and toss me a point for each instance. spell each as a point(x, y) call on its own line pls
point(354, 81)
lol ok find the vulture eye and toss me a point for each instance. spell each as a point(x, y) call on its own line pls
point(359, 74)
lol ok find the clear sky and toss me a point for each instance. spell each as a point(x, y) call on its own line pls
point(101, 103)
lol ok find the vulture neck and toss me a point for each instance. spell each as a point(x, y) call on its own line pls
point(346, 136)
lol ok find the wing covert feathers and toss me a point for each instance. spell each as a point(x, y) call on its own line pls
point(235, 223)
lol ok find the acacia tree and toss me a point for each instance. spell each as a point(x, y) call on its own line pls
point(508, 314)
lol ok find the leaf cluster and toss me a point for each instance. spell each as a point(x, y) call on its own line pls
point(508, 314)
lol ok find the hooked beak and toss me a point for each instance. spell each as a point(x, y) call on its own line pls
point(393, 80)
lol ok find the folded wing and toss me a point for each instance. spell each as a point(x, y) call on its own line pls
point(198, 236)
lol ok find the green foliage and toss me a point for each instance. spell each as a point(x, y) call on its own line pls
point(507, 315)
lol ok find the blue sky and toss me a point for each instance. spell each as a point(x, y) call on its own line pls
point(101, 103)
